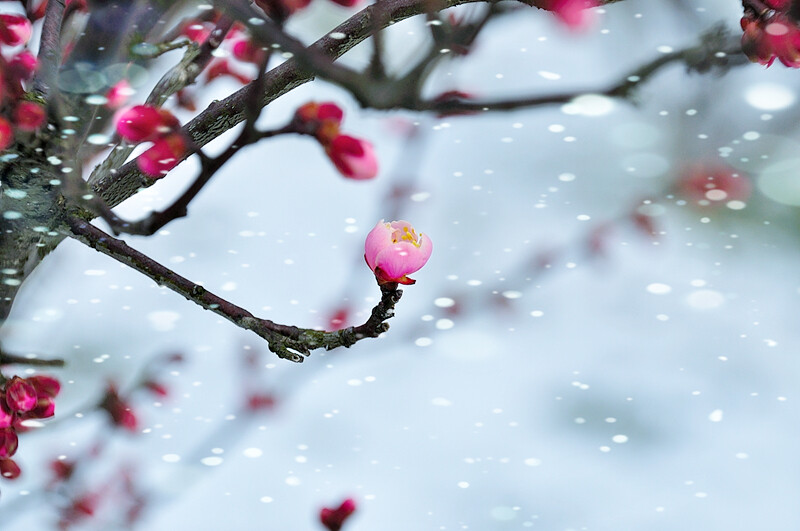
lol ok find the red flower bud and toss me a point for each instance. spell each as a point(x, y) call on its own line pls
point(45, 385)
point(245, 50)
point(29, 116)
point(8, 442)
point(353, 157)
point(6, 134)
point(22, 66)
point(119, 410)
point(7, 415)
point(20, 395)
point(164, 155)
point(221, 67)
point(144, 122)
point(334, 519)
point(14, 30)
point(9, 469)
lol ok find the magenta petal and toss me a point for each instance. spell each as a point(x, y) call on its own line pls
point(377, 239)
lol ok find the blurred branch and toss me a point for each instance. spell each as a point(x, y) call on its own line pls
point(49, 49)
point(288, 342)
point(13, 359)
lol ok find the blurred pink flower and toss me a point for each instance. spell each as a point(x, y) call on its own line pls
point(353, 157)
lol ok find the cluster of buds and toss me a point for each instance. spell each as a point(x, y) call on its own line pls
point(574, 14)
point(771, 35)
point(707, 184)
point(22, 399)
point(353, 157)
point(394, 250)
point(334, 519)
point(144, 123)
point(15, 71)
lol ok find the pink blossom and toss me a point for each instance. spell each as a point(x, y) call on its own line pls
point(395, 250)
point(118, 94)
point(22, 66)
point(164, 155)
point(20, 395)
point(334, 519)
point(119, 410)
point(712, 183)
point(574, 14)
point(353, 157)
point(245, 50)
point(139, 123)
point(347, 3)
point(29, 116)
point(14, 30)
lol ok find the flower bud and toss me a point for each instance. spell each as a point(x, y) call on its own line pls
point(22, 66)
point(139, 123)
point(119, 93)
point(395, 250)
point(29, 116)
point(14, 30)
point(353, 157)
point(7, 415)
point(6, 133)
point(8, 442)
point(334, 519)
point(20, 395)
point(164, 155)
point(46, 386)
point(9, 469)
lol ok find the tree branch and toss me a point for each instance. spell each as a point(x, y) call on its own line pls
point(288, 342)
point(49, 49)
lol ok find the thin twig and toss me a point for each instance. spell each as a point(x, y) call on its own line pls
point(49, 49)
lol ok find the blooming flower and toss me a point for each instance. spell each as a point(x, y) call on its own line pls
point(353, 157)
point(395, 250)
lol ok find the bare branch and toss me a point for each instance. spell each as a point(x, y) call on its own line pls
point(288, 342)
point(49, 49)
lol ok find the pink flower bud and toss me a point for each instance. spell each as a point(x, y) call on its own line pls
point(144, 122)
point(245, 50)
point(118, 94)
point(119, 410)
point(347, 3)
point(164, 155)
point(197, 31)
point(22, 66)
point(8, 442)
point(353, 157)
point(574, 14)
point(395, 250)
point(44, 409)
point(46, 386)
point(14, 30)
point(334, 519)
point(711, 183)
point(6, 134)
point(20, 395)
point(29, 116)
point(9, 469)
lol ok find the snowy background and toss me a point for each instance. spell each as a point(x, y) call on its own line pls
point(652, 386)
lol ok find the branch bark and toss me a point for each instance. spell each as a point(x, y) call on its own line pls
point(288, 342)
